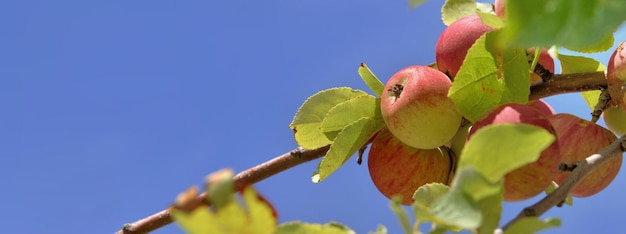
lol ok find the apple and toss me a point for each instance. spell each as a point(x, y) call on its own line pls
point(617, 63)
point(398, 169)
point(531, 179)
point(615, 119)
point(498, 7)
point(416, 108)
point(542, 106)
point(616, 76)
point(455, 40)
point(578, 139)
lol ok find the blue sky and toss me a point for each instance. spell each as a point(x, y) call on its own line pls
point(111, 108)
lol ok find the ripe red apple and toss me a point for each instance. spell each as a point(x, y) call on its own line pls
point(615, 119)
point(498, 7)
point(616, 76)
point(542, 106)
point(617, 63)
point(416, 108)
point(455, 40)
point(531, 179)
point(398, 169)
point(578, 139)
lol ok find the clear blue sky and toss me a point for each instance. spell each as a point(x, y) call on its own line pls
point(111, 108)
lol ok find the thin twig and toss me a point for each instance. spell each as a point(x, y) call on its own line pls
point(583, 168)
point(247, 177)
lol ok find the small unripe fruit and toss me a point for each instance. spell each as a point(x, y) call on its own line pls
point(615, 119)
point(578, 139)
point(398, 169)
point(416, 108)
point(616, 76)
point(455, 40)
point(498, 7)
point(531, 179)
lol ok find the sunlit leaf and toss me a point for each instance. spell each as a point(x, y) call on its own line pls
point(380, 230)
point(306, 122)
point(578, 64)
point(494, 150)
point(532, 225)
point(415, 3)
point(313, 228)
point(491, 208)
point(458, 209)
point(579, 25)
point(490, 77)
point(349, 111)
point(453, 10)
point(347, 142)
point(371, 80)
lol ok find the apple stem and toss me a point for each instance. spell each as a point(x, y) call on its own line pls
point(580, 170)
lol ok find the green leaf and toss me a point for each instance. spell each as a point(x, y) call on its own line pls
point(428, 193)
point(580, 25)
point(313, 228)
point(306, 122)
point(380, 230)
point(495, 150)
point(415, 3)
point(491, 20)
point(532, 225)
point(553, 186)
point(371, 80)
point(453, 10)
point(578, 64)
point(457, 209)
point(491, 208)
point(345, 113)
point(468, 180)
point(488, 79)
point(347, 142)
point(198, 221)
point(401, 215)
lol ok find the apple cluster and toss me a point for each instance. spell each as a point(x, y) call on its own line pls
point(421, 122)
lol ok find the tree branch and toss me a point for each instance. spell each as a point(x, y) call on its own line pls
point(558, 84)
point(247, 177)
point(567, 83)
point(583, 168)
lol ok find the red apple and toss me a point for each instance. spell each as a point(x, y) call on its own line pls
point(498, 7)
point(617, 63)
point(531, 179)
point(455, 40)
point(615, 119)
point(416, 108)
point(616, 76)
point(542, 106)
point(398, 169)
point(578, 139)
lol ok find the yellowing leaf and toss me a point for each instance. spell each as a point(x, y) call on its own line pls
point(532, 225)
point(578, 64)
point(307, 120)
point(313, 228)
